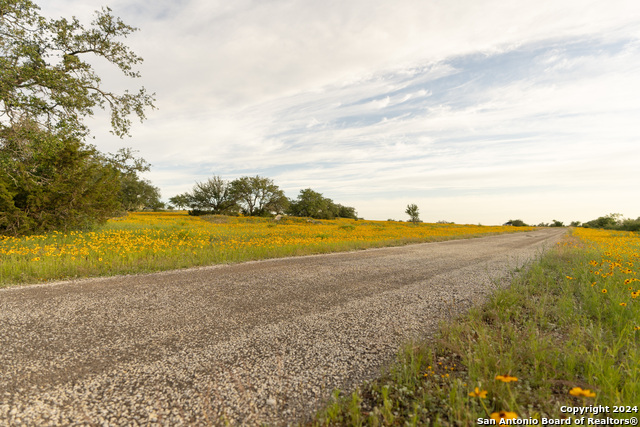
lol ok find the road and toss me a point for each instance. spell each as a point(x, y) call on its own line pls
point(247, 343)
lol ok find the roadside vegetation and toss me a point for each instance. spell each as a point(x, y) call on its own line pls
point(149, 241)
point(51, 178)
point(565, 333)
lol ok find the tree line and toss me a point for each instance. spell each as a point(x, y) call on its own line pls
point(613, 221)
point(256, 196)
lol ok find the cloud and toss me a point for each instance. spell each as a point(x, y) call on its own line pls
point(367, 98)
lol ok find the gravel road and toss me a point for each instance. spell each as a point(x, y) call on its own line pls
point(247, 343)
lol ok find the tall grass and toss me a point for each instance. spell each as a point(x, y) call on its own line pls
point(567, 333)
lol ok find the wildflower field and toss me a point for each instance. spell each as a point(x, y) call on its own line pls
point(146, 242)
point(563, 338)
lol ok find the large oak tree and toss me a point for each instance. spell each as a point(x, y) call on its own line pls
point(50, 177)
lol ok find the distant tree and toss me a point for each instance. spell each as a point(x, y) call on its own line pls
point(214, 195)
point(516, 223)
point(181, 201)
point(413, 212)
point(346, 212)
point(136, 193)
point(557, 223)
point(631, 224)
point(258, 196)
point(312, 204)
point(614, 221)
point(610, 221)
point(575, 224)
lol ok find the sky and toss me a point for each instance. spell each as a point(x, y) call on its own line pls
point(478, 111)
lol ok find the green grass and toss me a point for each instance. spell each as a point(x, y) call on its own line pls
point(550, 329)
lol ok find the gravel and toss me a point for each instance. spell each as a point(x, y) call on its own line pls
point(251, 343)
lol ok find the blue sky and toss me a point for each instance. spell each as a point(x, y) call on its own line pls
point(477, 111)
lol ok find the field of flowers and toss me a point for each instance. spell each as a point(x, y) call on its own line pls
point(565, 334)
point(145, 242)
point(612, 272)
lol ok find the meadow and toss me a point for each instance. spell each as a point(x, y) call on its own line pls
point(147, 241)
point(565, 334)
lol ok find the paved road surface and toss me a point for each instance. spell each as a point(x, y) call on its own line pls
point(248, 343)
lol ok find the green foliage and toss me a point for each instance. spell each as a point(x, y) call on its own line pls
point(52, 181)
point(181, 201)
point(50, 178)
point(213, 196)
point(413, 212)
point(12, 220)
point(258, 196)
point(46, 77)
point(516, 223)
point(346, 212)
point(630, 224)
point(136, 193)
point(312, 204)
point(253, 196)
point(614, 221)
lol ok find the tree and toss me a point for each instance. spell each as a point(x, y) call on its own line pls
point(347, 212)
point(609, 221)
point(136, 193)
point(312, 204)
point(65, 186)
point(258, 196)
point(46, 78)
point(516, 223)
point(413, 212)
point(213, 195)
point(50, 177)
point(181, 201)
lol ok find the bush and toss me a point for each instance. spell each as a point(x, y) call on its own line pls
point(516, 223)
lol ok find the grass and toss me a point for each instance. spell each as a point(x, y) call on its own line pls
point(148, 242)
point(568, 331)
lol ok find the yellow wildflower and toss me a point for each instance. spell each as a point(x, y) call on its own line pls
point(482, 394)
point(577, 391)
point(504, 415)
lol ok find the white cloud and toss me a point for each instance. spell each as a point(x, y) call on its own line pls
point(365, 98)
